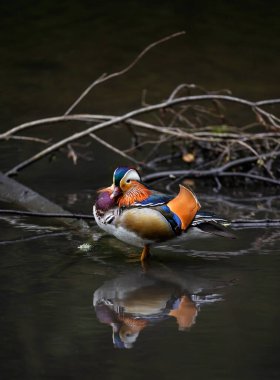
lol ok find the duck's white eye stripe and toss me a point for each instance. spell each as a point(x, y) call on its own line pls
point(132, 175)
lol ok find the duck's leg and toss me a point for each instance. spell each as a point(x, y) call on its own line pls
point(145, 253)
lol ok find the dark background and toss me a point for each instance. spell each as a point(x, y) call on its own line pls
point(50, 51)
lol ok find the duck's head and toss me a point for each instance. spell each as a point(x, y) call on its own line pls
point(124, 179)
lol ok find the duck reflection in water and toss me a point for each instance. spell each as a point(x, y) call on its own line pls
point(134, 301)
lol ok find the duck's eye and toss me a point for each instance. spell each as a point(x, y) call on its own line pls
point(128, 181)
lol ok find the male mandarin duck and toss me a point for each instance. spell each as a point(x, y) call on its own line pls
point(139, 216)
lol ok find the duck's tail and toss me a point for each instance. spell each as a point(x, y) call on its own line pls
point(185, 205)
point(212, 224)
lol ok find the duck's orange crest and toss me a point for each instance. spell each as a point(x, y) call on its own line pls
point(136, 193)
point(105, 190)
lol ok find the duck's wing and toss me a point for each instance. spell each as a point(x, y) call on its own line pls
point(158, 202)
point(179, 211)
point(154, 199)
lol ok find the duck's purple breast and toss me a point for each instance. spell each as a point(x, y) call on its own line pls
point(104, 202)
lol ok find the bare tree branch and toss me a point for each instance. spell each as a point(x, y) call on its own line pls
point(235, 223)
point(49, 120)
point(35, 237)
point(47, 214)
point(104, 77)
point(28, 138)
point(221, 171)
point(267, 102)
point(130, 115)
point(114, 149)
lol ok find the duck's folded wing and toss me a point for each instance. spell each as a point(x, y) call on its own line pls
point(155, 199)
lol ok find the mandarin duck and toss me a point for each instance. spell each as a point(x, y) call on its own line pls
point(134, 301)
point(139, 216)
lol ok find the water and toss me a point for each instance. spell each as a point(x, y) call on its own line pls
point(229, 328)
point(206, 309)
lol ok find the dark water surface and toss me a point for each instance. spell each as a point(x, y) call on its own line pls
point(200, 310)
point(228, 326)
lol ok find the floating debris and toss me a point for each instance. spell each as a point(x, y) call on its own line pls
point(85, 247)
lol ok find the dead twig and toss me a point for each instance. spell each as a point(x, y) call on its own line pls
point(191, 129)
point(221, 171)
point(33, 139)
point(104, 77)
point(35, 237)
point(131, 115)
point(149, 108)
point(46, 214)
point(49, 120)
point(255, 223)
point(235, 223)
point(114, 149)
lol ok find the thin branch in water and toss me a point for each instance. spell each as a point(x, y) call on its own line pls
point(181, 117)
point(104, 77)
point(247, 223)
point(168, 187)
point(249, 175)
point(114, 149)
point(143, 97)
point(179, 88)
point(127, 116)
point(46, 214)
point(156, 146)
point(218, 171)
point(218, 183)
point(33, 139)
point(36, 237)
point(267, 102)
point(140, 145)
point(234, 223)
point(49, 120)
point(165, 158)
point(101, 79)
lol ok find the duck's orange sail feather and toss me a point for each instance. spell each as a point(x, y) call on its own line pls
point(185, 205)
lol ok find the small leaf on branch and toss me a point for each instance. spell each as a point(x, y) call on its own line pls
point(188, 157)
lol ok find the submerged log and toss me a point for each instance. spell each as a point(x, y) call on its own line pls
point(25, 198)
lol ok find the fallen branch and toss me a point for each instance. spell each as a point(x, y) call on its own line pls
point(36, 237)
point(209, 145)
point(220, 171)
point(46, 214)
point(49, 120)
point(255, 223)
point(234, 223)
point(150, 108)
point(12, 191)
point(114, 149)
point(130, 115)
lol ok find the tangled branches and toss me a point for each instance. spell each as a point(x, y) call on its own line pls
point(185, 136)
